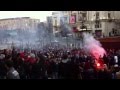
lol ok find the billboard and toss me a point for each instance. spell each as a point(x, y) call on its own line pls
point(73, 19)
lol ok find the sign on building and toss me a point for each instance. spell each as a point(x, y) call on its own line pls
point(73, 19)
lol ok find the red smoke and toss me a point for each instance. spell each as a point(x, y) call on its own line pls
point(94, 47)
point(97, 51)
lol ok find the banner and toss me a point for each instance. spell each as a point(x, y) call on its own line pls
point(73, 19)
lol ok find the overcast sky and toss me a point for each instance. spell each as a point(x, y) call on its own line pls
point(33, 14)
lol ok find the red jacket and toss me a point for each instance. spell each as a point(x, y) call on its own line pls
point(31, 60)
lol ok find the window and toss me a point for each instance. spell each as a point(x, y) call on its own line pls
point(84, 15)
point(98, 25)
point(56, 29)
point(79, 12)
point(98, 33)
point(109, 15)
point(97, 15)
point(65, 18)
point(55, 22)
point(80, 17)
point(114, 31)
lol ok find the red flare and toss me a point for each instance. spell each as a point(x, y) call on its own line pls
point(98, 64)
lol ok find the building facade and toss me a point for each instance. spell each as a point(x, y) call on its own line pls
point(105, 23)
point(56, 22)
point(59, 18)
point(99, 23)
point(65, 17)
point(23, 23)
point(50, 24)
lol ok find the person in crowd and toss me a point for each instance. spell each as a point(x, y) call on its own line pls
point(2, 66)
point(11, 73)
point(57, 63)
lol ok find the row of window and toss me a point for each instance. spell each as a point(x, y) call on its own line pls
point(16, 24)
point(98, 26)
point(83, 15)
point(98, 15)
point(11, 22)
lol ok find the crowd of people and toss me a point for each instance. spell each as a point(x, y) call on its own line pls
point(57, 64)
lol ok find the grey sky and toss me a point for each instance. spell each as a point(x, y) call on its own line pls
point(33, 14)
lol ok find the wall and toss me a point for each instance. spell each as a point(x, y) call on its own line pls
point(107, 27)
point(110, 43)
point(117, 14)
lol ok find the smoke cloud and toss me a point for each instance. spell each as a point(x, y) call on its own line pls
point(92, 46)
point(41, 38)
